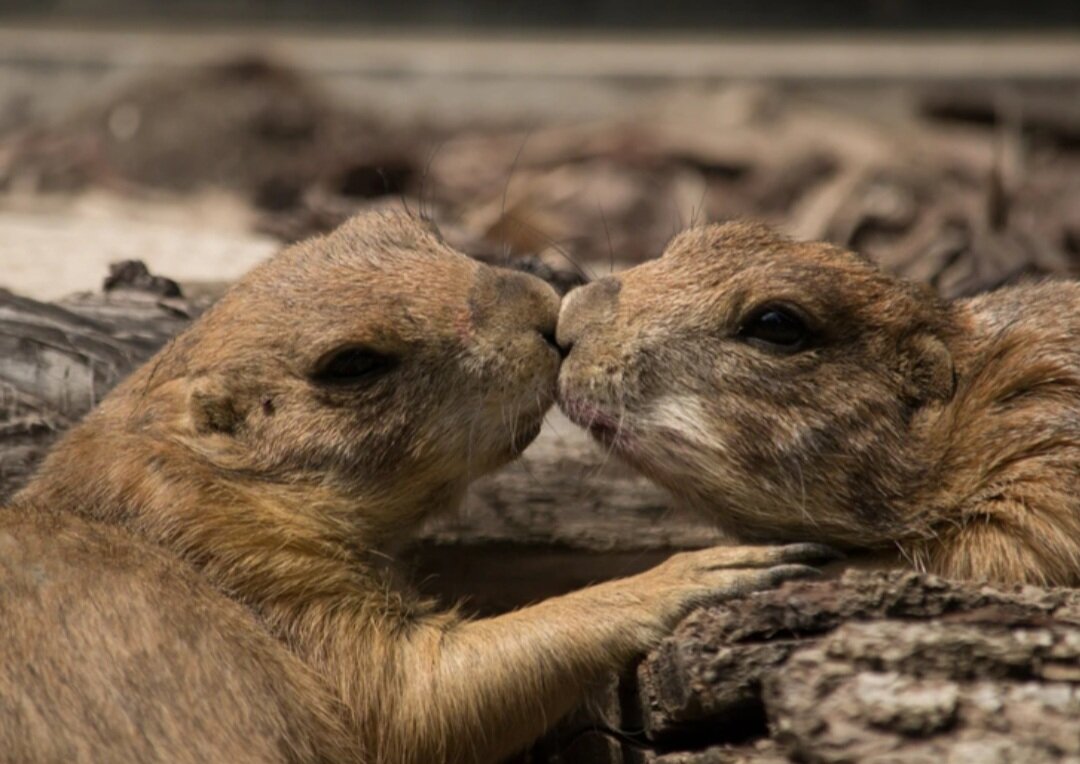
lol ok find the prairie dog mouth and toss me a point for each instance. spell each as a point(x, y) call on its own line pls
point(606, 428)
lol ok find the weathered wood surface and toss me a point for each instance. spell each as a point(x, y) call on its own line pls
point(57, 361)
point(873, 667)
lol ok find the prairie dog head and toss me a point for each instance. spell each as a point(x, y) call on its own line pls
point(775, 384)
point(376, 361)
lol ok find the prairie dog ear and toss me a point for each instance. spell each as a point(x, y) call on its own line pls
point(213, 407)
point(927, 366)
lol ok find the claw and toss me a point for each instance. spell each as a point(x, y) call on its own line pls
point(818, 554)
point(782, 573)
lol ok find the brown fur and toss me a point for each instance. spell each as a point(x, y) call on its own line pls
point(202, 569)
point(949, 431)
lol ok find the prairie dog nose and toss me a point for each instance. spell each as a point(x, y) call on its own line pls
point(585, 307)
point(514, 301)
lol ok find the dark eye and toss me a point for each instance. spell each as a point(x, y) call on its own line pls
point(776, 328)
point(353, 364)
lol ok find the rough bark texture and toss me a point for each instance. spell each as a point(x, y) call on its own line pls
point(874, 667)
point(57, 361)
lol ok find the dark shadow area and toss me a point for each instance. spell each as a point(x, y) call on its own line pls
point(635, 15)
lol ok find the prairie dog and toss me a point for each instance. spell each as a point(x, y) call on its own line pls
point(201, 570)
point(792, 390)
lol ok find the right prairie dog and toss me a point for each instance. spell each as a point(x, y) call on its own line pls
point(198, 571)
point(793, 390)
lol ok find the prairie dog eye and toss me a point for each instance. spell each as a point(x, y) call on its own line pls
point(352, 365)
point(776, 328)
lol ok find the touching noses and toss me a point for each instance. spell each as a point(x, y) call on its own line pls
point(509, 302)
point(583, 308)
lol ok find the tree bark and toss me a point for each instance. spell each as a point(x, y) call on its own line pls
point(895, 667)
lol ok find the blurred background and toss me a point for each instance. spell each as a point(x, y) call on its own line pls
point(566, 138)
point(588, 14)
point(576, 137)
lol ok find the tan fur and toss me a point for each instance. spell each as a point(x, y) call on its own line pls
point(948, 431)
point(202, 569)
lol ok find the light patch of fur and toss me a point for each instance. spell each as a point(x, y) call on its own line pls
point(682, 414)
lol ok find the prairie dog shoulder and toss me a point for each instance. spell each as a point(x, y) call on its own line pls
point(67, 694)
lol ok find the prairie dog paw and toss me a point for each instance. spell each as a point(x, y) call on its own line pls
point(768, 556)
point(691, 579)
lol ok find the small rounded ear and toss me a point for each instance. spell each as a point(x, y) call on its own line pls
point(927, 366)
point(212, 407)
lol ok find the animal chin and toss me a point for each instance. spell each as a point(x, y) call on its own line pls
point(605, 428)
point(525, 433)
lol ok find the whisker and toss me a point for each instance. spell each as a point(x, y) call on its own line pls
point(700, 208)
point(401, 193)
point(553, 244)
point(513, 426)
point(469, 446)
point(424, 177)
point(607, 235)
point(610, 449)
point(506, 188)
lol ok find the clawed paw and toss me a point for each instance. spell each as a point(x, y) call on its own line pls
point(712, 575)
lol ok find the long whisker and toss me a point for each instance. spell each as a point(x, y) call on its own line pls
point(469, 445)
point(700, 208)
point(607, 235)
point(506, 188)
point(554, 245)
point(610, 449)
point(401, 193)
point(424, 177)
point(513, 425)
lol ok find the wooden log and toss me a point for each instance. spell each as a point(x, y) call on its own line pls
point(58, 361)
point(893, 667)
